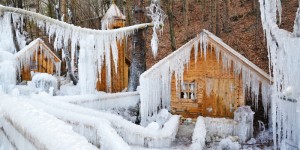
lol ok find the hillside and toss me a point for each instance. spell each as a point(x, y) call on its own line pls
point(246, 34)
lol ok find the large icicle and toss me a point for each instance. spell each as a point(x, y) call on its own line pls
point(283, 48)
point(156, 82)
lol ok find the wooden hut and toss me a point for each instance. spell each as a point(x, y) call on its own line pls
point(204, 77)
point(37, 57)
point(114, 19)
point(211, 87)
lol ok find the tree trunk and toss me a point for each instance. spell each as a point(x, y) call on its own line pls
point(169, 6)
point(217, 18)
point(63, 10)
point(226, 17)
point(138, 52)
point(14, 35)
point(185, 15)
point(211, 16)
point(63, 7)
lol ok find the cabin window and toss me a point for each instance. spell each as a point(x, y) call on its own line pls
point(33, 65)
point(188, 90)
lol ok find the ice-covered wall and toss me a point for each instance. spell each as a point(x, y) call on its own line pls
point(156, 82)
point(284, 55)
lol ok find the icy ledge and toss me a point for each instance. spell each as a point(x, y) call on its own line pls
point(131, 133)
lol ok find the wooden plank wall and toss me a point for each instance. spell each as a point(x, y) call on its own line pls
point(226, 95)
point(119, 79)
point(44, 65)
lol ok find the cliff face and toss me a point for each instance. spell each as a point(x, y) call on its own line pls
point(245, 33)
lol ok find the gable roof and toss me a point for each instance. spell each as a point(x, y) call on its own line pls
point(113, 12)
point(32, 47)
point(239, 58)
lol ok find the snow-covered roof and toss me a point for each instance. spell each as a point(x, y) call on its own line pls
point(32, 47)
point(243, 60)
point(113, 12)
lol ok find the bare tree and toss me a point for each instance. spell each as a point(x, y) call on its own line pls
point(138, 52)
point(169, 6)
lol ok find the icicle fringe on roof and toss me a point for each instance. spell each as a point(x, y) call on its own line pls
point(156, 82)
point(25, 55)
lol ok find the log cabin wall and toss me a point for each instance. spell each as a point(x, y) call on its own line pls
point(119, 79)
point(225, 92)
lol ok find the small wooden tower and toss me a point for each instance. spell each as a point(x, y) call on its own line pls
point(114, 19)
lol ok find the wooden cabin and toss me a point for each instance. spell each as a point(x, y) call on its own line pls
point(209, 88)
point(37, 57)
point(114, 19)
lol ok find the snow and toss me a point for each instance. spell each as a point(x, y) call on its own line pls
point(155, 83)
point(199, 135)
point(228, 144)
point(283, 48)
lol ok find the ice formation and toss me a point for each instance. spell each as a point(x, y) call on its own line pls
point(7, 71)
point(158, 16)
point(283, 47)
point(156, 82)
point(6, 37)
point(199, 135)
point(218, 128)
point(244, 127)
point(44, 82)
point(102, 42)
